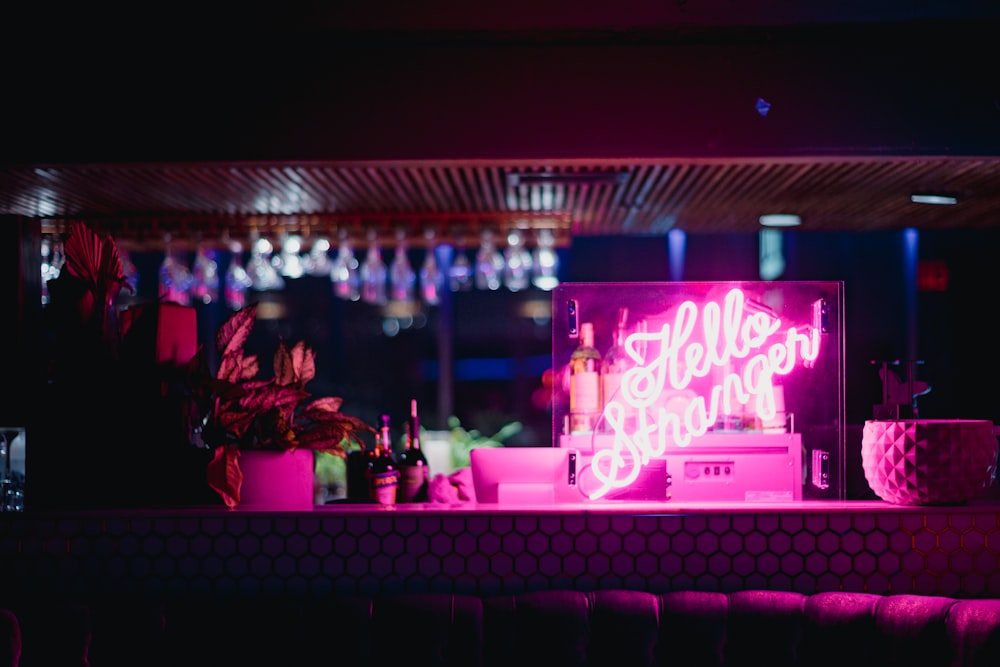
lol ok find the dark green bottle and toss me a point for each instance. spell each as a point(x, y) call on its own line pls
point(414, 471)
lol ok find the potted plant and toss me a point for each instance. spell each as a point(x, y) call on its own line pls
point(235, 412)
point(463, 440)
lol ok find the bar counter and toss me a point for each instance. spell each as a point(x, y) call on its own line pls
point(804, 546)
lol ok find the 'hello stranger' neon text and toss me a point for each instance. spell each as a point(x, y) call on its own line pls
point(746, 347)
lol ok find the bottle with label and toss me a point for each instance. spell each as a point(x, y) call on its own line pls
point(614, 364)
point(414, 471)
point(383, 472)
point(585, 383)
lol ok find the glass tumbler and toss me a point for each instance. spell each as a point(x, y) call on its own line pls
point(12, 469)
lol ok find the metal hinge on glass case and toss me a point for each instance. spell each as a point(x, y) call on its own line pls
point(821, 469)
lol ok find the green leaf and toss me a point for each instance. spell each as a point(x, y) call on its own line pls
point(508, 431)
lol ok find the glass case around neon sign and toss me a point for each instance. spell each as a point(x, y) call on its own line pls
point(701, 391)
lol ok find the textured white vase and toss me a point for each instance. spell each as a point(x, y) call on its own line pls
point(929, 461)
point(277, 480)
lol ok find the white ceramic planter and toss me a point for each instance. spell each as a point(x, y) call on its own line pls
point(277, 480)
point(929, 461)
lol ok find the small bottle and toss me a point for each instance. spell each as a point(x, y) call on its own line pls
point(585, 383)
point(383, 472)
point(414, 471)
point(614, 364)
point(371, 457)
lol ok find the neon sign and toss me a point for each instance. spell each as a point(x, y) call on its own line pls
point(733, 350)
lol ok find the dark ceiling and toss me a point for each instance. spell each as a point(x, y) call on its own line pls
point(193, 128)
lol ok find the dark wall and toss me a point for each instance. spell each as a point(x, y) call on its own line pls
point(296, 97)
point(957, 331)
point(20, 277)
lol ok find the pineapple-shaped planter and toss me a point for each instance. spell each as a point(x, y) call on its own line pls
point(929, 461)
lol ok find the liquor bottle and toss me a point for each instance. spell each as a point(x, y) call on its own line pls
point(383, 471)
point(414, 471)
point(371, 458)
point(358, 472)
point(614, 364)
point(585, 383)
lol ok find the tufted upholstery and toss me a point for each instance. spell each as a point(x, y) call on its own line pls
point(552, 628)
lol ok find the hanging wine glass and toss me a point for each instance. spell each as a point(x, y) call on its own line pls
point(517, 262)
point(545, 268)
point(374, 273)
point(174, 277)
point(489, 263)
point(46, 268)
point(460, 271)
point(129, 270)
point(289, 263)
point(12, 469)
point(345, 273)
point(431, 277)
point(52, 262)
point(204, 275)
point(237, 282)
point(317, 263)
point(262, 273)
point(402, 278)
point(130, 288)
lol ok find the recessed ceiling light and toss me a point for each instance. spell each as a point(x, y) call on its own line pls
point(780, 220)
point(930, 198)
point(515, 179)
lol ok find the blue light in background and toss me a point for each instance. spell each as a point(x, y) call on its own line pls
point(491, 369)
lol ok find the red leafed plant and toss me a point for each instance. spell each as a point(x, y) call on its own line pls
point(234, 410)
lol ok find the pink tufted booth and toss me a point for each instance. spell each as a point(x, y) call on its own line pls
point(619, 628)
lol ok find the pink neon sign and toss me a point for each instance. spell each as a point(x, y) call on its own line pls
point(738, 348)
